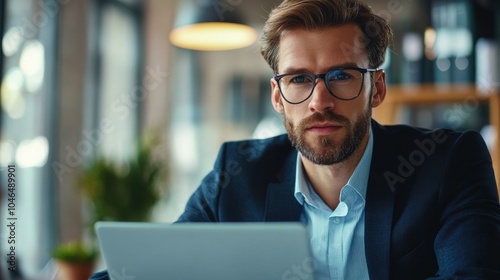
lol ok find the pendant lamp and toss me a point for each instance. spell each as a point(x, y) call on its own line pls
point(210, 26)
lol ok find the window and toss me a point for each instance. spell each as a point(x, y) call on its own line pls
point(27, 129)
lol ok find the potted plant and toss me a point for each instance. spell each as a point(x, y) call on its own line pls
point(75, 261)
point(125, 191)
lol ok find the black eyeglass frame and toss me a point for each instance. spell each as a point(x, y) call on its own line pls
point(363, 71)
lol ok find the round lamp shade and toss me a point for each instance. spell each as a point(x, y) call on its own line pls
point(208, 28)
point(213, 36)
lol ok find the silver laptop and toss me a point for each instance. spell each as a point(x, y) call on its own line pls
point(191, 251)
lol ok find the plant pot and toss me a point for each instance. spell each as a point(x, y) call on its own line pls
point(74, 271)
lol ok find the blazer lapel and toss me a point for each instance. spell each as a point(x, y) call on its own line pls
point(281, 204)
point(379, 207)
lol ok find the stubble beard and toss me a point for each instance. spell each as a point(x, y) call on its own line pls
point(325, 149)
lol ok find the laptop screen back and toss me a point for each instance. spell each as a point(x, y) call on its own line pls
point(219, 251)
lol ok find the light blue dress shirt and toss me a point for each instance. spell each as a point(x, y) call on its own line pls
point(337, 237)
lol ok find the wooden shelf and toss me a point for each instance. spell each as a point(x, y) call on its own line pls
point(468, 95)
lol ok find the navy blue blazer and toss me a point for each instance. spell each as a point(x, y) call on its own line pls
point(432, 208)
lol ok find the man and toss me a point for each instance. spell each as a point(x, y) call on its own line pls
point(379, 202)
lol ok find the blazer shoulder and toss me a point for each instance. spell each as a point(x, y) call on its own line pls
point(405, 133)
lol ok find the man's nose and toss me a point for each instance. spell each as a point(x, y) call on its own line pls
point(321, 99)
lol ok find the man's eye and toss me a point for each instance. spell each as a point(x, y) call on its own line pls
point(300, 79)
point(339, 75)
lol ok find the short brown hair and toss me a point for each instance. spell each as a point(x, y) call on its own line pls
point(314, 14)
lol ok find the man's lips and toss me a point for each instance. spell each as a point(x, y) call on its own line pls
point(324, 128)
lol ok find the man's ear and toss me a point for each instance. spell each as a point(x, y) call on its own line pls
point(276, 97)
point(380, 88)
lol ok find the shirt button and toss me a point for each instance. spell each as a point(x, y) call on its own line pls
point(336, 220)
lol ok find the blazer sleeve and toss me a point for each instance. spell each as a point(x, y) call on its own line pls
point(203, 204)
point(101, 275)
point(467, 244)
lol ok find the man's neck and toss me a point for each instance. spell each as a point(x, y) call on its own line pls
point(328, 180)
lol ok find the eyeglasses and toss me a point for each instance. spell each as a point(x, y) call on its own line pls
point(343, 83)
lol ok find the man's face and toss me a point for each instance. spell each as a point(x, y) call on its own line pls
point(325, 129)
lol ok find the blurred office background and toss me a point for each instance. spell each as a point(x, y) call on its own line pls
point(81, 77)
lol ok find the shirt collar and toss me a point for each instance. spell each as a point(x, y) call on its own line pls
point(358, 180)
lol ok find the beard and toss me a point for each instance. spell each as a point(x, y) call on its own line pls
point(325, 150)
